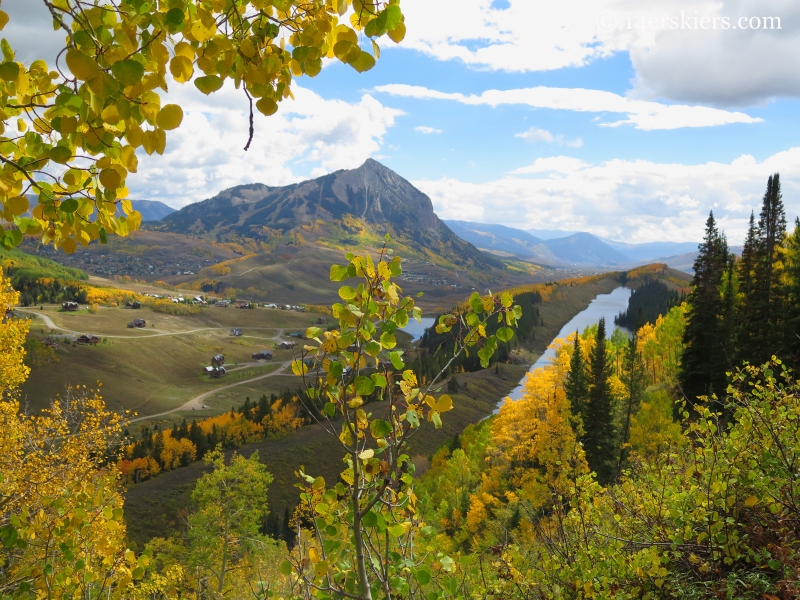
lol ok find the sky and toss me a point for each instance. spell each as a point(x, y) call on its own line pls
point(627, 119)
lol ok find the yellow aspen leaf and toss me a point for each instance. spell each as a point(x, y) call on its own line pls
point(69, 246)
point(17, 205)
point(148, 142)
point(3, 19)
point(184, 49)
point(161, 140)
point(367, 454)
point(204, 29)
point(160, 53)
point(170, 117)
point(110, 179)
point(181, 68)
point(751, 501)
point(444, 403)
point(134, 135)
point(398, 33)
point(247, 48)
point(267, 106)
point(81, 66)
point(208, 84)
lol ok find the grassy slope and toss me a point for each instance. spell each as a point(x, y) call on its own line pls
point(155, 507)
point(155, 374)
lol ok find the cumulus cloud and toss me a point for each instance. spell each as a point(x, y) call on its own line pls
point(674, 57)
point(641, 114)
point(635, 201)
point(426, 130)
point(534, 134)
point(205, 155)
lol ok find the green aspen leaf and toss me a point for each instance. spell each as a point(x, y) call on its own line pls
point(423, 574)
point(319, 483)
point(397, 361)
point(379, 380)
point(330, 409)
point(397, 529)
point(103, 235)
point(372, 348)
point(60, 154)
point(395, 266)
point(364, 385)
point(127, 72)
point(339, 273)
point(347, 293)
point(506, 299)
point(9, 71)
point(103, 85)
point(346, 51)
point(437, 419)
point(413, 418)
point(363, 62)
point(69, 206)
point(170, 117)
point(504, 334)
point(393, 16)
point(485, 355)
point(137, 573)
point(517, 311)
point(175, 17)
point(286, 568)
point(370, 519)
point(388, 340)
point(476, 303)
point(208, 84)
point(380, 428)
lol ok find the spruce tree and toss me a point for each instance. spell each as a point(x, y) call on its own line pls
point(599, 441)
point(704, 365)
point(577, 385)
point(791, 328)
point(634, 377)
point(764, 309)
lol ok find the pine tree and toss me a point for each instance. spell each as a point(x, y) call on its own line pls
point(703, 366)
point(599, 441)
point(577, 385)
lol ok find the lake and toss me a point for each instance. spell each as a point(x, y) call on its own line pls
point(604, 305)
point(416, 328)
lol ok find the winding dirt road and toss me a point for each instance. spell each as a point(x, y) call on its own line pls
point(196, 403)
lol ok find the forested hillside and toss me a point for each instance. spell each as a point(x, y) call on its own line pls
point(661, 465)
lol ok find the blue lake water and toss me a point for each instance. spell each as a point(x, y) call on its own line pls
point(604, 305)
point(416, 328)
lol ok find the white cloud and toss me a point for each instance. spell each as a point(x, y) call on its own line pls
point(205, 155)
point(534, 134)
point(730, 67)
point(426, 130)
point(634, 201)
point(641, 114)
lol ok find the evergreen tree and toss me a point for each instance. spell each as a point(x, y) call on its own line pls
point(633, 376)
point(599, 441)
point(764, 307)
point(703, 366)
point(577, 385)
point(791, 328)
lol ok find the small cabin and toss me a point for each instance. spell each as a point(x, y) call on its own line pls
point(134, 304)
point(236, 331)
point(218, 372)
point(70, 306)
point(88, 339)
point(286, 345)
point(297, 334)
point(139, 323)
point(262, 355)
point(218, 360)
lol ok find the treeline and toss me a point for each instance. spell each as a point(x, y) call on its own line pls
point(743, 310)
point(159, 450)
point(648, 302)
point(35, 287)
point(436, 349)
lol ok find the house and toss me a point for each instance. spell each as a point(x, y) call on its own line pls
point(222, 303)
point(237, 331)
point(286, 345)
point(51, 343)
point(198, 300)
point(134, 304)
point(270, 306)
point(70, 306)
point(218, 360)
point(242, 304)
point(214, 372)
point(88, 339)
point(137, 323)
point(298, 335)
point(262, 355)
point(299, 308)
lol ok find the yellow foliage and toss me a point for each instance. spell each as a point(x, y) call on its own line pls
point(12, 336)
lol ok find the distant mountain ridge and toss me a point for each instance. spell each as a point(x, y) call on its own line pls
point(365, 202)
point(152, 210)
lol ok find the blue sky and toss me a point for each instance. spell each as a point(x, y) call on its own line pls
point(526, 113)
